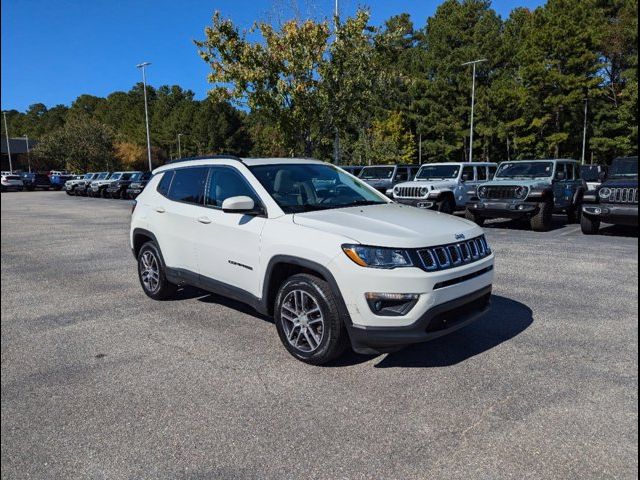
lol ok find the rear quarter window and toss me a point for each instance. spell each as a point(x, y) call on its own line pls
point(165, 183)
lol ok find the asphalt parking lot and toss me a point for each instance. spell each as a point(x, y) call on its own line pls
point(98, 381)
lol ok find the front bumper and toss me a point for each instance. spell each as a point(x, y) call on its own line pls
point(417, 202)
point(436, 322)
point(498, 209)
point(613, 213)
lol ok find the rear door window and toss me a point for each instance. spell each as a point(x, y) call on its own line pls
point(188, 185)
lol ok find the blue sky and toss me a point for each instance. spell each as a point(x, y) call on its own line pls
point(53, 51)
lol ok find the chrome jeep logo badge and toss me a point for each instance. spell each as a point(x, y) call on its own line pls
point(460, 236)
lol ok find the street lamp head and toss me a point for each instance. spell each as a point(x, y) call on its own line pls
point(474, 61)
point(143, 64)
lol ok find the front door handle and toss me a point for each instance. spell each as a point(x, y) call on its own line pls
point(160, 210)
point(205, 220)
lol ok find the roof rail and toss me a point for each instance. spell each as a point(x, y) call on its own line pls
point(222, 156)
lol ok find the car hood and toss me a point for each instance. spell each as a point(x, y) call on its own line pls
point(390, 225)
point(430, 184)
point(536, 183)
point(377, 182)
point(621, 183)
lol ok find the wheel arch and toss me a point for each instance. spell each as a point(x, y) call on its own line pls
point(281, 267)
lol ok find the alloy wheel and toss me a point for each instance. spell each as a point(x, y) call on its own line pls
point(302, 321)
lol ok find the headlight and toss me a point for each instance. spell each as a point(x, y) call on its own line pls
point(604, 192)
point(521, 192)
point(376, 257)
point(424, 191)
point(482, 192)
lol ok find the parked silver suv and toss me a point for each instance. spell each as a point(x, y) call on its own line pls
point(445, 187)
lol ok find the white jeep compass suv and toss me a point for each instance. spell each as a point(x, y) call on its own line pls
point(330, 258)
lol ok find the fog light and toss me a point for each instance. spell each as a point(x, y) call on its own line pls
point(597, 211)
point(391, 304)
point(520, 207)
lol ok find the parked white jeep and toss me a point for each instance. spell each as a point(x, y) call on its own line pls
point(445, 187)
point(330, 258)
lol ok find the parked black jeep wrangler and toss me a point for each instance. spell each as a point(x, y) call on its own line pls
point(615, 200)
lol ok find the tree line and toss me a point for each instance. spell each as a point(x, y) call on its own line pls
point(345, 90)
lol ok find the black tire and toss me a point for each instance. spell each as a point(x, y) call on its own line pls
point(469, 215)
point(589, 225)
point(164, 289)
point(447, 205)
point(334, 338)
point(70, 192)
point(103, 193)
point(542, 221)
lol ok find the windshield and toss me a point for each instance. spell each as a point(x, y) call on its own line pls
point(103, 176)
point(88, 176)
point(624, 167)
point(127, 176)
point(309, 187)
point(525, 170)
point(115, 176)
point(438, 172)
point(590, 173)
point(376, 172)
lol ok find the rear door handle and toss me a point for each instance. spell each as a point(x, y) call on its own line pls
point(205, 220)
point(160, 210)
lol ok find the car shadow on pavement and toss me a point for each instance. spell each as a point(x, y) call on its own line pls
point(559, 221)
point(187, 292)
point(506, 319)
point(619, 231)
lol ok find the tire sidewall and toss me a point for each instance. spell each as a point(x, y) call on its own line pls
point(308, 286)
point(160, 292)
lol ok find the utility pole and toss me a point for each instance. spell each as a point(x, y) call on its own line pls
point(179, 146)
point(6, 133)
point(584, 131)
point(420, 149)
point(473, 102)
point(336, 140)
point(26, 138)
point(142, 66)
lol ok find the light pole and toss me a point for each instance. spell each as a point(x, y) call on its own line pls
point(26, 138)
point(6, 133)
point(473, 102)
point(584, 131)
point(179, 146)
point(146, 109)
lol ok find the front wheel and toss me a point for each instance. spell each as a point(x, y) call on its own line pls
point(152, 274)
point(308, 321)
point(447, 205)
point(589, 225)
point(541, 221)
point(477, 219)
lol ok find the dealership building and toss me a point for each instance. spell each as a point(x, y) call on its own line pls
point(19, 153)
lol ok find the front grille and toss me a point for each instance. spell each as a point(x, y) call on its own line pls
point(623, 195)
point(501, 193)
point(454, 254)
point(408, 192)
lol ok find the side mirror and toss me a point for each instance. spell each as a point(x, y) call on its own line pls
point(561, 176)
point(240, 204)
point(602, 176)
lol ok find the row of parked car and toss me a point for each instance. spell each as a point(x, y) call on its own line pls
point(528, 190)
point(124, 185)
point(52, 180)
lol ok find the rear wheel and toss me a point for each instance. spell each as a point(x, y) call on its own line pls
point(541, 221)
point(447, 205)
point(589, 225)
point(308, 321)
point(469, 215)
point(151, 273)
